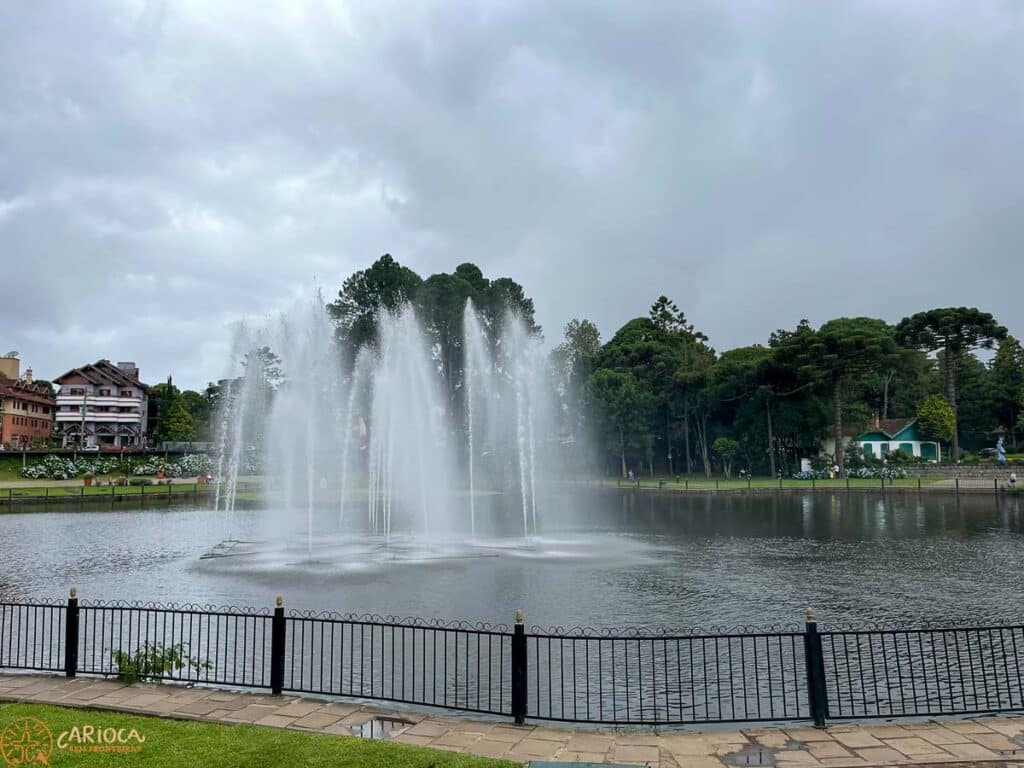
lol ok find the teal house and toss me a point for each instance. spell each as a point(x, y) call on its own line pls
point(889, 435)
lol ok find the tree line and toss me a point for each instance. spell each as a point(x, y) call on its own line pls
point(658, 397)
point(662, 399)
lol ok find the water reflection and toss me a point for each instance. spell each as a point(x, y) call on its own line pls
point(610, 558)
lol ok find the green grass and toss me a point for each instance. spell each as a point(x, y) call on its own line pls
point(187, 743)
point(695, 483)
point(64, 492)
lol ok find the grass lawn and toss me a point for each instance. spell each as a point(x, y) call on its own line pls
point(704, 483)
point(186, 743)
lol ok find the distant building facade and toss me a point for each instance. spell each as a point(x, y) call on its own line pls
point(102, 405)
point(890, 435)
point(26, 408)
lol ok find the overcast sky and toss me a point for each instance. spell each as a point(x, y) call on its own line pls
point(168, 167)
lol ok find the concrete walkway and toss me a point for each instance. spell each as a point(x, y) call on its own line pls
point(843, 746)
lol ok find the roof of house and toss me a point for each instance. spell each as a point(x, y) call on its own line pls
point(891, 428)
point(103, 372)
point(23, 390)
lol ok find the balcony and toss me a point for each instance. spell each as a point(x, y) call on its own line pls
point(91, 417)
point(110, 401)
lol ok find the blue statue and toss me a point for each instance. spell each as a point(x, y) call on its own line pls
point(1000, 451)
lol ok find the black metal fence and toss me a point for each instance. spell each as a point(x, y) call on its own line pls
point(609, 676)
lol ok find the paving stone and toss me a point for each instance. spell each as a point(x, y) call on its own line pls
point(829, 748)
point(857, 739)
point(641, 739)
point(921, 743)
point(967, 726)
point(358, 718)
point(408, 738)
point(1011, 728)
point(698, 761)
point(429, 728)
point(251, 713)
point(808, 734)
point(299, 708)
point(843, 762)
point(800, 756)
point(317, 720)
point(971, 751)
point(635, 753)
point(580, 757)
point(534, 748)
point(590, 742)
point(881, 755)
point(491, 748)
point(886, 731)
point(941, 736)
point(457, 739)
point(773, 739)
point(198, 708)
point(994, 741)
point(508, 733)
point(275, 721)
point(913, 746)
point(341, 709)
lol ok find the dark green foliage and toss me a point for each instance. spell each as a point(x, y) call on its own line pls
point(153, 662)
point(936, 419)
point(385, 285)
point(956, 331)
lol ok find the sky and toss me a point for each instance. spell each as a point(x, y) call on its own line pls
point(168, 168)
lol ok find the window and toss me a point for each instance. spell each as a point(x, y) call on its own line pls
point(104, 393)
point(126, 393)
point(77, 391)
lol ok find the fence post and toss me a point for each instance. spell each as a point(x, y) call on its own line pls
point(519, 670)
point(277, 648)
point(816, 693)
point(995, 484)
point(71, 635)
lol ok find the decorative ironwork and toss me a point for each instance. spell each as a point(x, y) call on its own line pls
point(621, 676)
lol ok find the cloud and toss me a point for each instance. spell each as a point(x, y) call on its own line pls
point(168, 168)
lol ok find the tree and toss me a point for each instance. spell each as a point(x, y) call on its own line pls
point(441, 301)
point(162, 397)
point(956, 331)
point(573, 361)
point(936, 419)
point(836, 355)
point(178, 426)
point(385, 286)
point(619, 403)
point(198, 407)
point(726, 449)
point(1006, 381)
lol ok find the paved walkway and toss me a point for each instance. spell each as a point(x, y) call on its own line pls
point(843, 746)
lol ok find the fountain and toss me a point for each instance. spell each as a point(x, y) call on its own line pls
point(431, 461)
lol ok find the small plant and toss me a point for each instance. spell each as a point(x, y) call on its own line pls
point(155, 662)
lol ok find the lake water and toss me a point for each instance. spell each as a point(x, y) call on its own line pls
point(623, 558)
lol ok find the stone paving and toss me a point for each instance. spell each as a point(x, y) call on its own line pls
point(980, 740)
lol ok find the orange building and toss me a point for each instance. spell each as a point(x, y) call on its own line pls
point(26, 409)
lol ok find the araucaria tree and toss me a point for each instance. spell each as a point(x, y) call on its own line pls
point(837, 354)
point(620, 404)
point(955, 331)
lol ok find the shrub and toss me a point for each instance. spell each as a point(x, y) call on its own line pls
point(154, 662)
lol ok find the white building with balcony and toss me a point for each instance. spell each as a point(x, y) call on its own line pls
point(102, 405)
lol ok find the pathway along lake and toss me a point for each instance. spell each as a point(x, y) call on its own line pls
point(628, 559)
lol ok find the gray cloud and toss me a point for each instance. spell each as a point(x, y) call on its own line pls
point(167, 168)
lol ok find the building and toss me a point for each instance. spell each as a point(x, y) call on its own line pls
point(889, 435)
point(26, 408)
point(102, 405)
